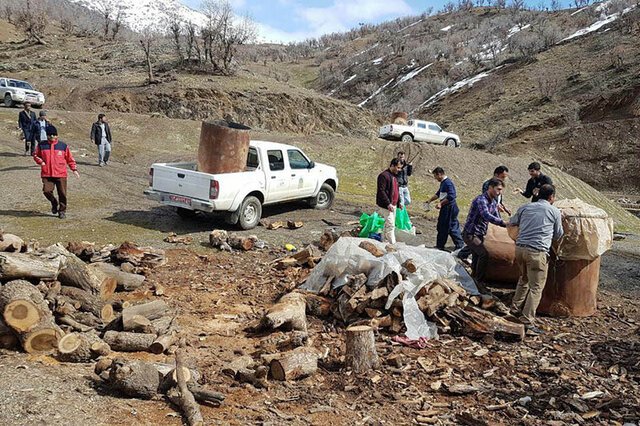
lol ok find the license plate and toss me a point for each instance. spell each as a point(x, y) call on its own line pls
point(180, 200)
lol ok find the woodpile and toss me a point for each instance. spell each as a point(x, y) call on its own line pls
point(222, 240)
point(399, 118)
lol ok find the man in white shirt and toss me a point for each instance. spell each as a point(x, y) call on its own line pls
point(101, 136)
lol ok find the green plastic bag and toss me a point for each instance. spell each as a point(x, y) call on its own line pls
point(371, 224)
point(402, 220)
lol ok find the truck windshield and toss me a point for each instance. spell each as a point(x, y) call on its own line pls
point(20, 84)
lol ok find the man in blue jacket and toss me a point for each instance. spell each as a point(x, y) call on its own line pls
point(448, 218)
point(39, 130)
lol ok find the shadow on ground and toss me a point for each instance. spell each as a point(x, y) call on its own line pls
point(23, 213)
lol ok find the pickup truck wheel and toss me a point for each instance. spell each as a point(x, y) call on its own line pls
point(250, 213)
point(324, 199)
point(451, 143)
point(8, 102)
point(407, 138)
point(185, 213)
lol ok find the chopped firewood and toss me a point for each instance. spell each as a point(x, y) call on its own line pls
point(30, 266)
point(147, 257)
point(326, 287)
point(257, 377)
point(318, 305)
point(286, 263)
point(274, 225)
point(78, 347)
point(396, 324)
point(361, 354)
point(372, 248)
point(151, 310)
point(12, 243)
point(137, 324)
point(381, 322)
point(232, 368)
point(476, 323)
point(239, 242)
point(410, 266)
point(101, 365)
point(328, 238)
point(295, 364)
point(305, 254)
point(218, 237)
point(175, 239)
point(379, 293)
point(288, 313)
point(294, 225)
point(125, 281)
point(373, 313)
point(129, 342)
point(89, 302)
point(163, 342)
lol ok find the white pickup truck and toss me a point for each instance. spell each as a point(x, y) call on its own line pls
point(275, 173)
point(419, 131)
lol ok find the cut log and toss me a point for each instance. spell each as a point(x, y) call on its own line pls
point(8, 339)
point(303, 255)
point(257, 377)
point(83, 249)
point(22, 305)
point(151, 311)
point(476, 323)
point(218, 237)
point(185, 398)
point(89, 302)
point(32, 266)
point(75, 325)
point(125, 281)
point(205, 396)
point(295, 364)
point(410, 266)
point(361, 355)
point(288, 313)
point(146, 257)
point(318, 305)
point(232, 368)
point(137, 324)
point(12, 243)
point(291, 224)
point(328, 238)
point(372, 248)
point(223, 148)
point(43, 337)
point(137, 379)
point(239, 242)
point(80, 347)
point(76, 273)
point(128, 342)
point(162, 343)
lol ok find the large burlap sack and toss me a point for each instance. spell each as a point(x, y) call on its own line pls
point(502, 255)
point(588, 231)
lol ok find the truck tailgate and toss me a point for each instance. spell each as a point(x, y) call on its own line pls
point(182, 180)
point(384, 130)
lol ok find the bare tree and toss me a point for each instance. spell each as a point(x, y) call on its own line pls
point(193, 44)
point(105, 7)
point(117, 23)
point(148, 39)
point(175, 31)
point(33, 22)
point(556, 5)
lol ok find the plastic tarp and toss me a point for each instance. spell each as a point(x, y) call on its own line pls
point(345, 257)
point(588, 231)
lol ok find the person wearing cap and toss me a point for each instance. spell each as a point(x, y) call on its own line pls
point(101, 136)
point(39, 130)
point(26, 118)
point(53, 157)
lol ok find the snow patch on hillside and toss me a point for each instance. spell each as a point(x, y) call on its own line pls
point(349, 79)
point(516, 29)
point(598, 24)
point(411, 74)
point(374, 94)
point(410, 25)
point(377, 61)
point(447, 28)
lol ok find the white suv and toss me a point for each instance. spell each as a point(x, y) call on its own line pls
point(17, 91)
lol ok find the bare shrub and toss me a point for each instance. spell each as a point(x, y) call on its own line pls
point(616, 57)
point(32, 22)
point(549, 34)
point(526, 43)
point(547, 83)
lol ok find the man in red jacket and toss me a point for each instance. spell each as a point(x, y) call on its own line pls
point(53, 156)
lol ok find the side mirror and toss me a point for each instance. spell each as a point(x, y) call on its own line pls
point(312, 165)
point(439, 130)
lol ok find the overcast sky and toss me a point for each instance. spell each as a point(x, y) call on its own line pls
point(294, 20)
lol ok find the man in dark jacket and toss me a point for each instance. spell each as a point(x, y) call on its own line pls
point(388, 199)
point(53, 156)
point(39, 129)
point(448, 218)
point(535, 183)
point(26, 118)
point(101, 136)
point(403, 179)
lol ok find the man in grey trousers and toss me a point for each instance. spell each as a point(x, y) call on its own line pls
point(539, 223)
point(101, 136)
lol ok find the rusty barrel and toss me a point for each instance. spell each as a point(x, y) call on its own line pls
point(224, 147)
point(502, 256)
point(571, 288)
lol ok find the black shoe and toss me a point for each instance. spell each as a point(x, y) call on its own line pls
point(534, 331)
point(54, 210)
point(62, 216)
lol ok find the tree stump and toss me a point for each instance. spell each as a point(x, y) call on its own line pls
point(294, 364)
point(223, 148)
point(128, 342)
point(361, 353)
point(138, 379)
point(30, 266)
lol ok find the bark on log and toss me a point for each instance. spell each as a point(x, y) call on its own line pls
point(239, 242)
point(89, 302)
point(152, 310)
point(128, 342)
point(139, 256)
point(138, 379)
point(295, 364)
point(257, 377)
point(8, 339)
point(185, 398)
point(22, 305)
point(12, 243)
point(43, 337)
point(163, 342)
point(205, 396)
point(218, 237)
point(372, 248)
point(361, 355)
point(232, 368)
point(76, 273)
point(30, 266)
point(125, 281)
point(476, 323)
point(79, 347)
point(318, 305)
point(288, 313)
point(223, 148)
point(137, 324)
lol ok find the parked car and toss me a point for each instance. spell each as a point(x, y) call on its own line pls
point(18, 92)
point(274, 173)
point(419, 131)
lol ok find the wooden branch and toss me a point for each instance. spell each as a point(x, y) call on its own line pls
point(128, 342)
point(30, 266)
point(185, 398)
point(89, 302)
point(124, 280)
point(295, 364)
